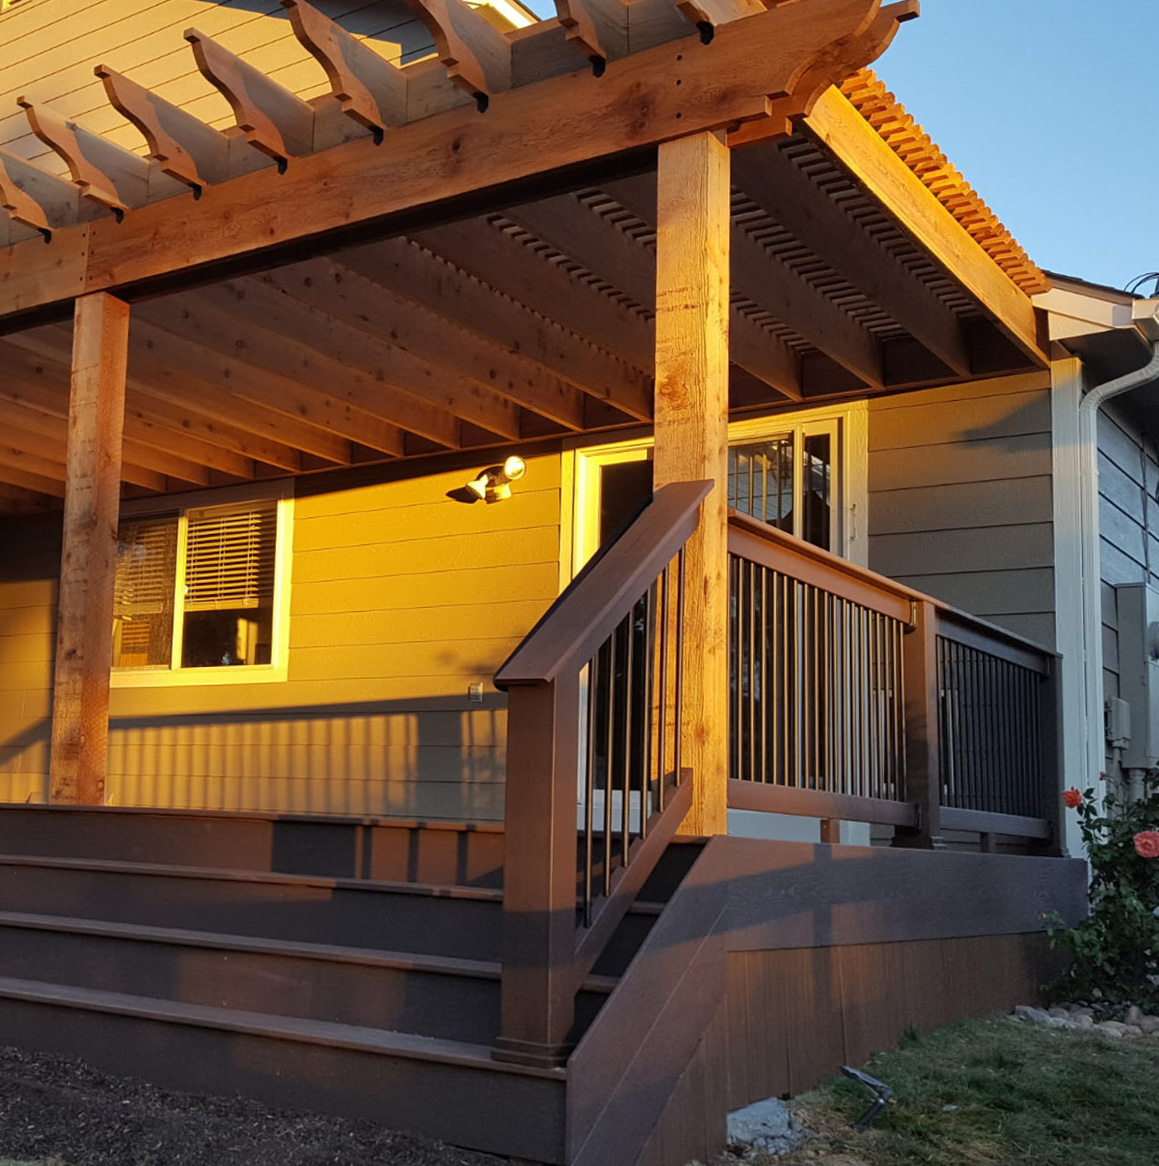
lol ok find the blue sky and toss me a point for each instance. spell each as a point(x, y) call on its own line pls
point(1048, 107)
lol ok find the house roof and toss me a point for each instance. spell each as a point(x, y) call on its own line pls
point(914, 146)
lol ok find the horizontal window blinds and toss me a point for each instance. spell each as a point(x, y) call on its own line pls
point(229, 562)
point(146, 559)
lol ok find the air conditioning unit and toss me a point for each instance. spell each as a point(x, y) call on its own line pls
point(1138, 611)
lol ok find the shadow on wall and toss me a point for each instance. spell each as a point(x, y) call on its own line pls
point(419, 757)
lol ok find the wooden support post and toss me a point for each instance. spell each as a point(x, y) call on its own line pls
point(84, 638)
point(691, 420)
point(539, 873)
point(922, 752)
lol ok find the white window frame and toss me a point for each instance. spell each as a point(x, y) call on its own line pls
point(282, 493)
point(848, 423)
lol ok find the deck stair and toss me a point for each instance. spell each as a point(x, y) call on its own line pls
point(273, 957)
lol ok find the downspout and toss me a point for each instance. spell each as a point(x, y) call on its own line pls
point(1089, 407)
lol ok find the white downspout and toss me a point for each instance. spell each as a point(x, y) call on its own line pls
point(1088, 420)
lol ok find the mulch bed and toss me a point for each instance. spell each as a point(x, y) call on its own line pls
point(57, 1107)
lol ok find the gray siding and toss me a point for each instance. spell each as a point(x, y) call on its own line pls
point(1128, 523)
point(960, 498)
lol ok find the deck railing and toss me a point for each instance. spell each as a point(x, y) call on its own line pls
point(856, 698)
point(595, 785)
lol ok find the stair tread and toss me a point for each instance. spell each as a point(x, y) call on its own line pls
point(336, 953)
point(324, 1032)
point(165, 870)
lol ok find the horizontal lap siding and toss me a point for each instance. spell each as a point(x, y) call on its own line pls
point(48, 49)
point(960, 498)
point(400, 598)
point(29, 569)
point(1128, 526)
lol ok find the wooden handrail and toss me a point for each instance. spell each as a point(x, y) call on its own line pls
point(758, 541)
point(582, 618)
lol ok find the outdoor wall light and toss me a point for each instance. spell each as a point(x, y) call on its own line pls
point(494, 484)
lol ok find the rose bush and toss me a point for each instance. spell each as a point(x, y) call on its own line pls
point(1115, 950)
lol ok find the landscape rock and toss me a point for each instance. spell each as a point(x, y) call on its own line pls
point(765, 1127)
point(1134, 1015)
point(1132, 1030)
point(1036, 1015)
point(1149, 1024)
point(1111, 1028)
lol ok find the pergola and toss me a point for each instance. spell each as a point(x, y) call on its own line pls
point(651, 212)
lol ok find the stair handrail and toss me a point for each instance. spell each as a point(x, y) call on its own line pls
point(551, 935)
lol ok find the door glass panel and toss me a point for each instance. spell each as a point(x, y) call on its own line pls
point(818, 488)
point(760, 480)
point(624, 488)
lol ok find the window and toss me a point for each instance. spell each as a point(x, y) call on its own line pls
point(200, 595)
point(803, 473)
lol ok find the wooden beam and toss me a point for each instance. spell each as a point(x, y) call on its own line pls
point(533, 130)
point(274, 120)
point(17, 500)
point(751, 347)
point(597, 28)
point(466, 304)
point(80, 707)
point(691, 425)
point(193, 441)
point(281, 336)
point(714, 12)
point(184, 146)
point(187, 400)
point(836, 123)
point(478, 380)
point(784, 192)
point(184, 338)
point(106, 174)
point(494, 256)
point(370, 90)
point(50, 485)
point(477, 56)
point(36, 198)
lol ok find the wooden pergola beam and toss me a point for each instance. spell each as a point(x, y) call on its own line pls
point(492, 255)
point(182, 338)
point(472, 376)
point(751, 347)
point(838, 125)
point(529, 131)
point(80, 706)
point(465, 304)
point(785, 192)
point(42, 386)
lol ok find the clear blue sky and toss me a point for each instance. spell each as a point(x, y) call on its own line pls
point(1048, 108)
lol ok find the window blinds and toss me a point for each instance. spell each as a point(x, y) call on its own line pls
point(146, 556)
point(229, 561)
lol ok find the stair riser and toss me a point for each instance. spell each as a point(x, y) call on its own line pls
point(423, 924)
point(452, 1007)
point(473, 1106)
point(389, 852)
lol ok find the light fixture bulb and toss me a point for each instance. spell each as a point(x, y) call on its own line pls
point(514, 468)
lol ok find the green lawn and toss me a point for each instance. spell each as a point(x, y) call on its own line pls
point(997, 1092)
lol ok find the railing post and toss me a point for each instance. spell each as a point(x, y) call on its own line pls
point(1051, 754)
point(539, 881)
point(923, 762)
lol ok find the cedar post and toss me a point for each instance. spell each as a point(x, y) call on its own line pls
point(84, 636)
point(922, 752)
point(539, 872)
point(691, 425)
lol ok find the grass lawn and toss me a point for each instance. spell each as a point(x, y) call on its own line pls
point(995, 1091)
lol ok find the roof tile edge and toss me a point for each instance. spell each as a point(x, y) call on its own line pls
point(869, 96)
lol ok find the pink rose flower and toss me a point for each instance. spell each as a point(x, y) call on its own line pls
point(1147, 843)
